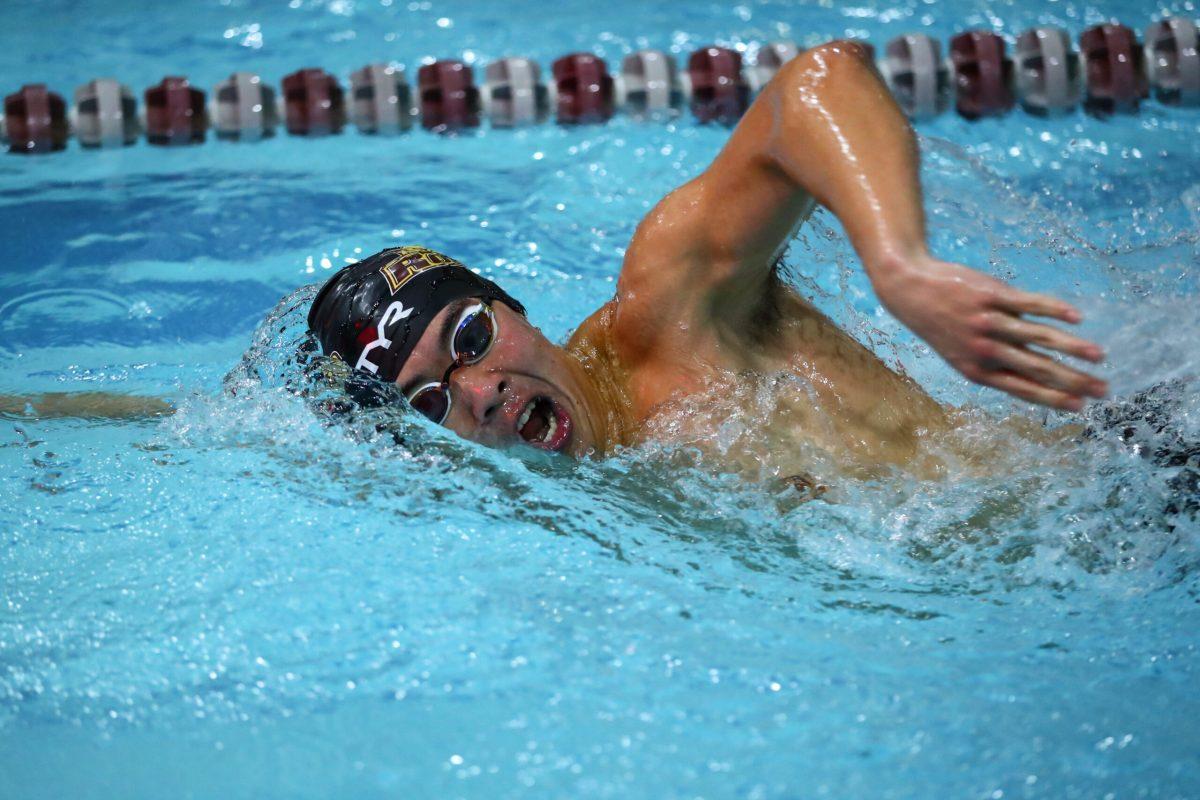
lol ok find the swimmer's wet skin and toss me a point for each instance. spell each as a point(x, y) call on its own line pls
point(698, 302)
point(84, 405)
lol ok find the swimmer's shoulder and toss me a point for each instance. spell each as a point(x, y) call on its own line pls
point(594, 336)
point(615, 334)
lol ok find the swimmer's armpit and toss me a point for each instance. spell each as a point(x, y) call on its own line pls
point(83, 405)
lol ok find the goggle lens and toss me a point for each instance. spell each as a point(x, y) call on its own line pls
point(432, 401)
point(474, 335)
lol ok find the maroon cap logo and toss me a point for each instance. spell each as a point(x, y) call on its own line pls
point(409, 262)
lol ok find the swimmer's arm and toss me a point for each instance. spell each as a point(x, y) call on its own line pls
point(83, 405)
point(826, 130)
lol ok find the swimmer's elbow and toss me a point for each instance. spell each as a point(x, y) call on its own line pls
point(828, 65)
point(825, 105)
point(831, 84)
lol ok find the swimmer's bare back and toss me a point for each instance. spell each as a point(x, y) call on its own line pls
point(697, 299)
point(83, 405)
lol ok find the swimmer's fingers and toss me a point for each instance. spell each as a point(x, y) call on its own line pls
point(1047, 372)
point(1017, 301)
point(1014, 384)
point(1022, 332)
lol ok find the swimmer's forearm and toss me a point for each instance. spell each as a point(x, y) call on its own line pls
point(83, 405)
point(838, 134)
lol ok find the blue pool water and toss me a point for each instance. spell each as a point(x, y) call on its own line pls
point(239, 602)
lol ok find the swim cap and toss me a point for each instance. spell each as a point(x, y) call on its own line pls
point(372, 314)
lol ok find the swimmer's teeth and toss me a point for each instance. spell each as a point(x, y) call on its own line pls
point(551, 429)
point(525, 414)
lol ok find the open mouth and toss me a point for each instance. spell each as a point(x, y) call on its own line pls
point(545, 424)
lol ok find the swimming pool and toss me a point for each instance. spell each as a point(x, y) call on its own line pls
point(239, 602)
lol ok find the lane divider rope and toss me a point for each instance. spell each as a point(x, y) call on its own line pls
point(1111, 72)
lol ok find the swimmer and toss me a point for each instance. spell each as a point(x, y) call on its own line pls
point(699, 308)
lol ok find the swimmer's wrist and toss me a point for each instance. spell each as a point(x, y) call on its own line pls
point(897, 264)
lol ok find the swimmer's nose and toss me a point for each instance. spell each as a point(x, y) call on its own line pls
point(481, 390)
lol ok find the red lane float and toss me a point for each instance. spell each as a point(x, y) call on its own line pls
point(1116, 81)
point(449, 100)
point(982, 73)
point(584, 89)
point(35, 120)
point(175, 113)
point(719, 92)
point(313, 103)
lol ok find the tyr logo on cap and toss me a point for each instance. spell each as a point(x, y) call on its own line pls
point(394, 313)
point(409, 262)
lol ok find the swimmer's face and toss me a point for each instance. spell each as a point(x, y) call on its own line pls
point(523, 392)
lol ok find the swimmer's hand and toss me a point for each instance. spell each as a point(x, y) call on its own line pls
point(978, 325)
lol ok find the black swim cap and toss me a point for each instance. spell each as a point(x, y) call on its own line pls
point(372, 314)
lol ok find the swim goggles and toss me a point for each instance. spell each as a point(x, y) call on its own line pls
point(473, 337)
